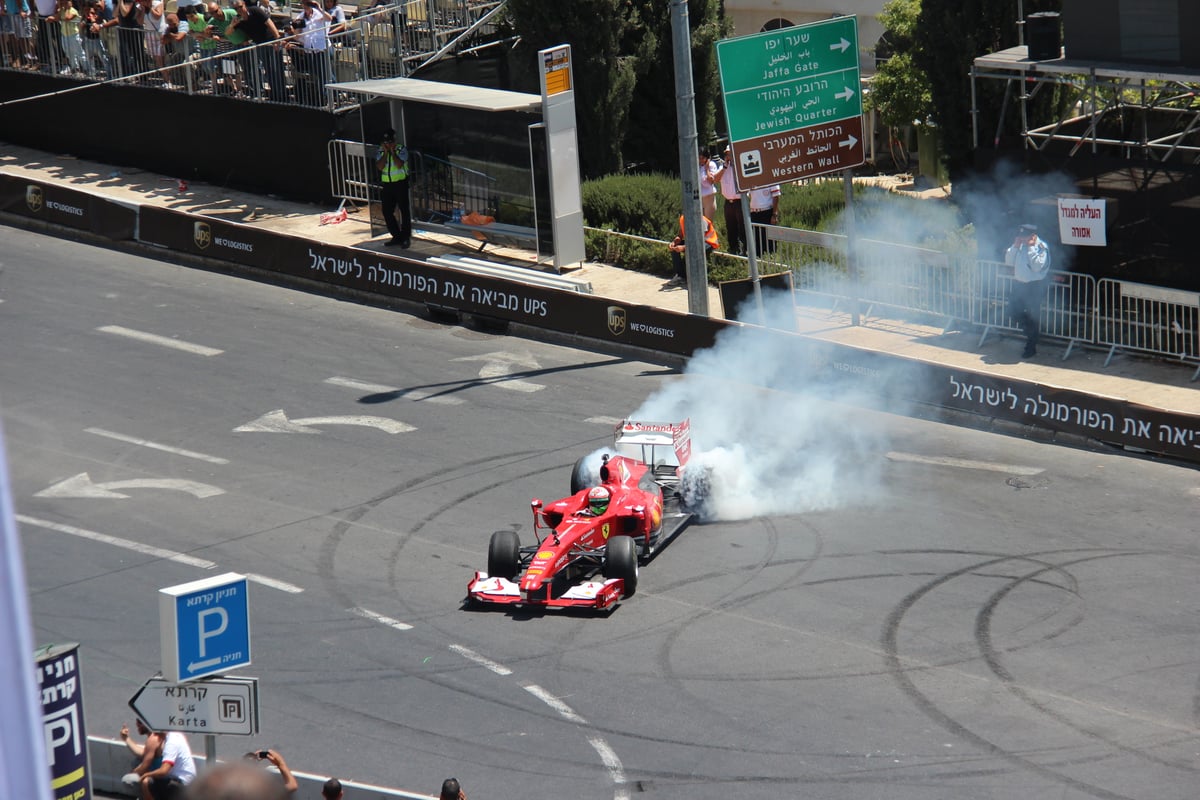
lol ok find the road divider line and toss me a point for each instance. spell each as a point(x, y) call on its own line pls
point(164, 341)
point(282, 586)
point(120, 437)
point(116, 541)
point(407, 394)
point(562, 708)
point(964, 463)
point(366, 613)
point(487, 663)
point(615, 769)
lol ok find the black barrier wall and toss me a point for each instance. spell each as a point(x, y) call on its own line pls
point(48, 202)
point(256, 147)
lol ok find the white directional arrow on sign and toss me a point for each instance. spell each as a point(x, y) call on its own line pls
point(277, 422)
point(497, 366)
point(82, 486)
point(848, 142)
point(845, 94)
point(841, 46)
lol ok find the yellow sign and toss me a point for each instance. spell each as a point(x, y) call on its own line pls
point(556, 64)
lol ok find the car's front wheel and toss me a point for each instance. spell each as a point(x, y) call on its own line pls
point(621, 561)
point(504, 555)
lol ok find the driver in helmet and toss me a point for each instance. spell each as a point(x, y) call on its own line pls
point(597, 500)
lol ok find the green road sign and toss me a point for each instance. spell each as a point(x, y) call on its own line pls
point(793, 102)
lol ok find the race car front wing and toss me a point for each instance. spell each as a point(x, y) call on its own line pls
point(588, 594)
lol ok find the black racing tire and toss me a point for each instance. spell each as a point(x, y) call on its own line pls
point(621, 561)
point(504, 555)
point(580, 480)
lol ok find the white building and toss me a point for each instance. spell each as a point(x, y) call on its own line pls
point(752, 16)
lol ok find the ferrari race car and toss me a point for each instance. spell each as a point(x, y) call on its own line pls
point(591, 543)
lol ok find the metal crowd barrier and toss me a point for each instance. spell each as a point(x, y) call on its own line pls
point(351, 173)
point(1149, 319)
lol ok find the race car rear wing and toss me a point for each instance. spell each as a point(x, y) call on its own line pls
point(655, 442)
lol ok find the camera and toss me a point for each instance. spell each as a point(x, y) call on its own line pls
point(263, 753)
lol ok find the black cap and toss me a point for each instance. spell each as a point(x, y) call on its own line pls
point(1027, 230)
point(389, 135)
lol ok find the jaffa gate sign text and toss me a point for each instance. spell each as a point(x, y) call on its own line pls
point(793, 103)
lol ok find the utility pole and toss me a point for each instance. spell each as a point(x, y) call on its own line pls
point(689, 158)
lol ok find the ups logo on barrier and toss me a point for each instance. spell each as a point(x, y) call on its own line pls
point(35, 199)
point(616, 320)
point(202, 235)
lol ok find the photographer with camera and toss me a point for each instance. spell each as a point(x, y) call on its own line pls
point(392, 163)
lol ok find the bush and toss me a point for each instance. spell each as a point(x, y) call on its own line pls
point(644, 205)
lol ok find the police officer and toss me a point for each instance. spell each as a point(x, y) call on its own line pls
point(392, 163)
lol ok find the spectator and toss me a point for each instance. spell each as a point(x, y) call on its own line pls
point(236, 780)
point(91, 31)
point(310, 53)
point(176, 44)
point(147, 755)
point(392, 163)
point(708, 185)
point(177, 770)
point(153, 17)
point(764, 210)
point(1030, 259)
point(48, 53)
point(66, 16)
point(16, 34)
point(255, 21)
point(131, 42)
point(338, 24)
point(290, 784)
point(735, 225)
point(199, 30)
point(240, 63)
point(452, 790)
point(678, 248)
point(332, 790)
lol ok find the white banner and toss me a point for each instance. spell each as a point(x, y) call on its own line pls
point(1081, 221)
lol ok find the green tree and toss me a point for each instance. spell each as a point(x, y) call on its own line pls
point(900, 91)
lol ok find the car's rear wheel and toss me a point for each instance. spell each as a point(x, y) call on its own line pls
point(504, 555)
point(621, 561)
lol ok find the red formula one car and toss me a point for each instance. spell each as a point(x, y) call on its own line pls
point(591, 543)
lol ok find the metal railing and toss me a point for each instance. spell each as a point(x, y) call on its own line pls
point(380, 42)
point(1078, 309)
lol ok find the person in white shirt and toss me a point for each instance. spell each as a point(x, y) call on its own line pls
point(764, 210)
point(735, 226)
point(309, 51)
point(708, 185)
point(176, 771)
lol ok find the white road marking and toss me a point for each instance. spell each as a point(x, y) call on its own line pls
point(81, 485)
point(562, 708)
point(407, 394)
point(471, 655)
point(277, 422)
point(120, 437)
point(963, 463)
point(614, 421)
point(381, 619)
point(497, 366)
point(104, 538)
point(282, 586)
point(615, 769)
point(164, 341)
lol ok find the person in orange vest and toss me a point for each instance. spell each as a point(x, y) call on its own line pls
point(678, 248)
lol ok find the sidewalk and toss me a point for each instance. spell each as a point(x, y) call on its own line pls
point(1146, 382)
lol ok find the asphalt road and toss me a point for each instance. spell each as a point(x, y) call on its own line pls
point(925, 612)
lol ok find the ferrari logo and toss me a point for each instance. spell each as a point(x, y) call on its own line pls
point(202, 235)
point(616, 320)
point(604, 530)
point(34, 198)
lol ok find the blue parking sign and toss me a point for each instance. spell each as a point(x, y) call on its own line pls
point(204, 627)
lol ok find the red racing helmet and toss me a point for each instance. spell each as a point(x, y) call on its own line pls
point(598, 499)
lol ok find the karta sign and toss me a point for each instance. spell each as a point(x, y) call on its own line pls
point(793, 102)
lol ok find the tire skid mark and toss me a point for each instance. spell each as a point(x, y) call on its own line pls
point(901, 678)
point(992, 658)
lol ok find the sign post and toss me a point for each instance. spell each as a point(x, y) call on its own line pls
point(204, 627)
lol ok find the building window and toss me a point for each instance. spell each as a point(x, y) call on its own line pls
point(776, 24)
